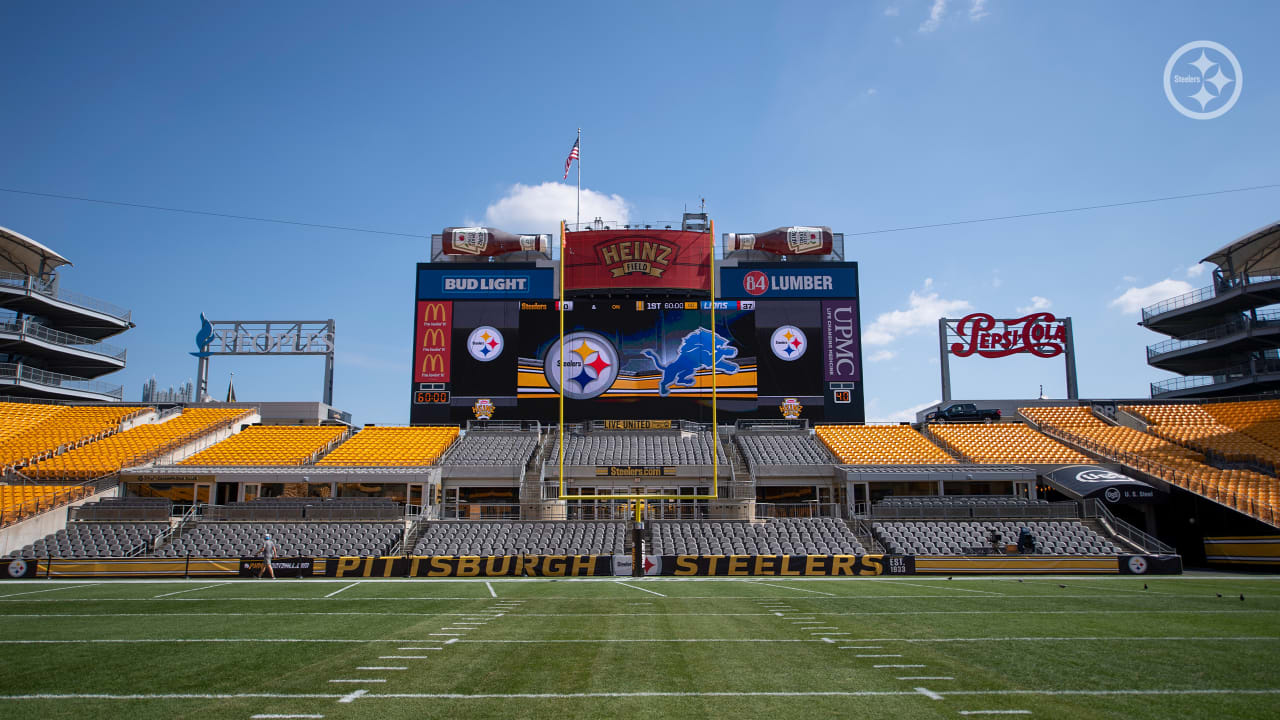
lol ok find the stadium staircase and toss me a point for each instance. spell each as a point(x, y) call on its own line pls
point(1186, 477)
point(927, 431)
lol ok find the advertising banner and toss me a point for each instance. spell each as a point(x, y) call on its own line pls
point(790, 280)
point(841, 341)
point(1150, 564)
point(774, 565)
point(17, 569)
point(637, 259)
point(283, 567)
point(471, 566)
point(1092, 481)
point(507, 283)
point(431, 347)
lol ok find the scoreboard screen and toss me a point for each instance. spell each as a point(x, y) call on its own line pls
point(629, 359)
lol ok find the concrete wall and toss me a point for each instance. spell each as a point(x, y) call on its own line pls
point(19, 535)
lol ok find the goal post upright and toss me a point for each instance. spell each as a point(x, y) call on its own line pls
point(715, 428)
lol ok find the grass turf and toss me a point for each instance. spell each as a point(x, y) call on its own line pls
point(1099, 647)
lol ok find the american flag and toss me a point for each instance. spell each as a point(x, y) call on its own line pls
point(573, 155)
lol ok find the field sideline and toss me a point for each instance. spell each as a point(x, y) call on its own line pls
point(1050, 647)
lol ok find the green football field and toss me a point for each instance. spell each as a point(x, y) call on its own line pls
point(590, 648)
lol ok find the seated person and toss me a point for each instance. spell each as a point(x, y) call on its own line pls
point(1026, 541)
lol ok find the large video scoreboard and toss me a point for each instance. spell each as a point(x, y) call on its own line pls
point(786, 344)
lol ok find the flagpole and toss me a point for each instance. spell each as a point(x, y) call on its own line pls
point(579, 211)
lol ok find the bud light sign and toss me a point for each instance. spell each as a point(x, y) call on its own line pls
point(791, 280)
point(841, 341)
point(439, 283)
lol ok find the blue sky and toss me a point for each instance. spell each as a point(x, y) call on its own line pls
point(410, 117)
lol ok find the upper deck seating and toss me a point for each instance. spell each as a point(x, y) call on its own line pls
point(881, 445)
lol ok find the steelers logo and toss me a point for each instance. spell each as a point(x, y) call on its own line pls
point(788, 342)
point(17, 567)
point(1137, 565)
point(590, 365)
point(485, 343)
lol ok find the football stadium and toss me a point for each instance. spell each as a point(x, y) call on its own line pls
point(638, 480)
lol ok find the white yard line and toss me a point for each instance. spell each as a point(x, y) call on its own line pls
point(179, 592)
point(350, 697)
point(55, 589)
point(948, 587)
point(489, 585)
point(335, 592)
point(675, 694)
point(281, 717)
point(1242, 611)
point(926, 677)
point(382, 667)
point(633, 587)
point(897, 666)
point(785, 587)
point(878, 656)
point(928, 693)
point(359, 680)
point(1118, 638)
point(995, 712)
point(861, 647)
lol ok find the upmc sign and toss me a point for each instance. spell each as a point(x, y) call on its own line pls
point(841, 341)
point(1040, 334)
point(790, 281)
point(431, 344)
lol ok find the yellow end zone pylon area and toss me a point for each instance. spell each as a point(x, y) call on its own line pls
point(715, 399)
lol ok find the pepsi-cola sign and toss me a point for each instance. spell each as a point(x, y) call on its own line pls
point(1040, 334)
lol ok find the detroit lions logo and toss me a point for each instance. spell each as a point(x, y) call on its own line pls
point(694, 355)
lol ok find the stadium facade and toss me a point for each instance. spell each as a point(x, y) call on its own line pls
point(1224, 339)
point(53, 340)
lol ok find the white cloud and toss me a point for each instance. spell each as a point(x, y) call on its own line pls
point(978, 10)
point(922, 311)
point(906, 414)
point(892, 11)
point(935, 16)
point(872, 91)
point(1037, 304)
point(1136, 298)
point(540, 208)
point(1198, 269)
point(882, 355)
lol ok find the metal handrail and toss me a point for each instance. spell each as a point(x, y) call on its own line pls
point(788, 510)
point(623, 225)
point(1185, 480)
point(19, 372)
point(1235, 372)
point(1225, 282)
point(1214, 333)
point(1095, 509)
point(50, 289)
point(30, 328)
